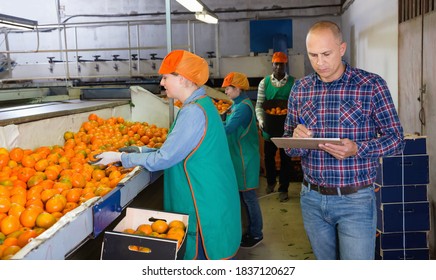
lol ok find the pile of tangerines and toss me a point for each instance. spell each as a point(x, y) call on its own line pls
point(221, 105)
point(277, 111)
point(39, 186)
point(161, 229)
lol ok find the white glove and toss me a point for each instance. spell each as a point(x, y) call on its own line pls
point(261, 124)
point(107, 158)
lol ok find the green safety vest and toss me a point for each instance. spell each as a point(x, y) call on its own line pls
point(244, 149)
point(204, 186)
point(272, 92)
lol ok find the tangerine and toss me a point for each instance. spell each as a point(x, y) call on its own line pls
point(45, 220)
point(8, 252)
point(26, 237)
point(5, 204)
point(159, 226)
point(16, 154)
point(176, 224)
point(145, 228)
point(56, 203)
point(29, 215)
point(9, 224)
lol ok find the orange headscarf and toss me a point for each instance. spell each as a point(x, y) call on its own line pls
point(280, 57)
point(187, 64)
point(236, 79)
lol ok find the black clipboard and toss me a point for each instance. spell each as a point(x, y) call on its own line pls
point(303, 143)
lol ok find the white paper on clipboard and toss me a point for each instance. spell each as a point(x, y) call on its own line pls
point(303, 143)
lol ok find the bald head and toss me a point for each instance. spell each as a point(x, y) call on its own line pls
point(323, 26)
point(325, 50)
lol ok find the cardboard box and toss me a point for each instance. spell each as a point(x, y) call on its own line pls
point(116, 243)
point(399, 217)
point(402, 240)
point(408, 254)
point(407, 170)
point(415, 145)
point(408, 193)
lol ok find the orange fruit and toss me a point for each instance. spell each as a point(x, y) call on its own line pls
point(10, 241)
point(176, 224)
point(29, 215)
point(19, 199)
point(16, 210)
point(78, 180)
point(159, 226)
point(41, 165)
point(69, 206)
point(25, 173)
point(28, 161)
point(9, 224)
point(51, 174)
point(56, 203)
point(68, 135)
point(8, 252)
point(47, 194)
point(4, 160)
point(129, 230)
point(45, 220)
point(98, 174)
point(177, 234)
point(16, 154)
point(145, 228)
point(73, 195)
point(26, 237)
point(5, 204)
point(4, 191)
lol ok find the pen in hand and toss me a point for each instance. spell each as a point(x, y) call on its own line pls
point(302, 122)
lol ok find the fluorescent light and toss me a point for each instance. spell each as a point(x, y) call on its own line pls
point(192, 5)
point(207, 17)
point(16, 22)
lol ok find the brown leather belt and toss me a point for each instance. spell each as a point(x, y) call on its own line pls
point(334, 190)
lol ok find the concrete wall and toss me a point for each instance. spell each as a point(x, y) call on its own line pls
point(373, 41)
point(230, 39)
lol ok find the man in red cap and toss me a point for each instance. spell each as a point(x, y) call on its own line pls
point(199, 177)
point(275, 86)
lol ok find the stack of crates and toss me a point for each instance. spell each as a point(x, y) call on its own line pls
point(403, 216)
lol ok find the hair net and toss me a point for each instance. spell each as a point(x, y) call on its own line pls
point(187, 64)
point(280, 57)
point(236, 79)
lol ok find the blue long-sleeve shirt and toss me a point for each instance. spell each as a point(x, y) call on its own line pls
point(185, 136)
point(240, 117)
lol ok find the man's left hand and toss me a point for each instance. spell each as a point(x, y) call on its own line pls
point(347, 149)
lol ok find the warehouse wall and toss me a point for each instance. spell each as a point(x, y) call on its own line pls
point(231, 36)
point(373, 41)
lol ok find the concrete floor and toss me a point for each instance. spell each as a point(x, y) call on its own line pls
point(284, 235)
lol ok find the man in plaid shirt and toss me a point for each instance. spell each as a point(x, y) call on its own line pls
point(339, 101)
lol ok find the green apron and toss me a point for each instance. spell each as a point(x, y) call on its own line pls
point(244, 149)
point(204, 186)
point(281, 93)
point(272, 92)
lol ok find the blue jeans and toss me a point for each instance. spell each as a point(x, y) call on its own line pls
point(340, 227)
point(255, 222)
